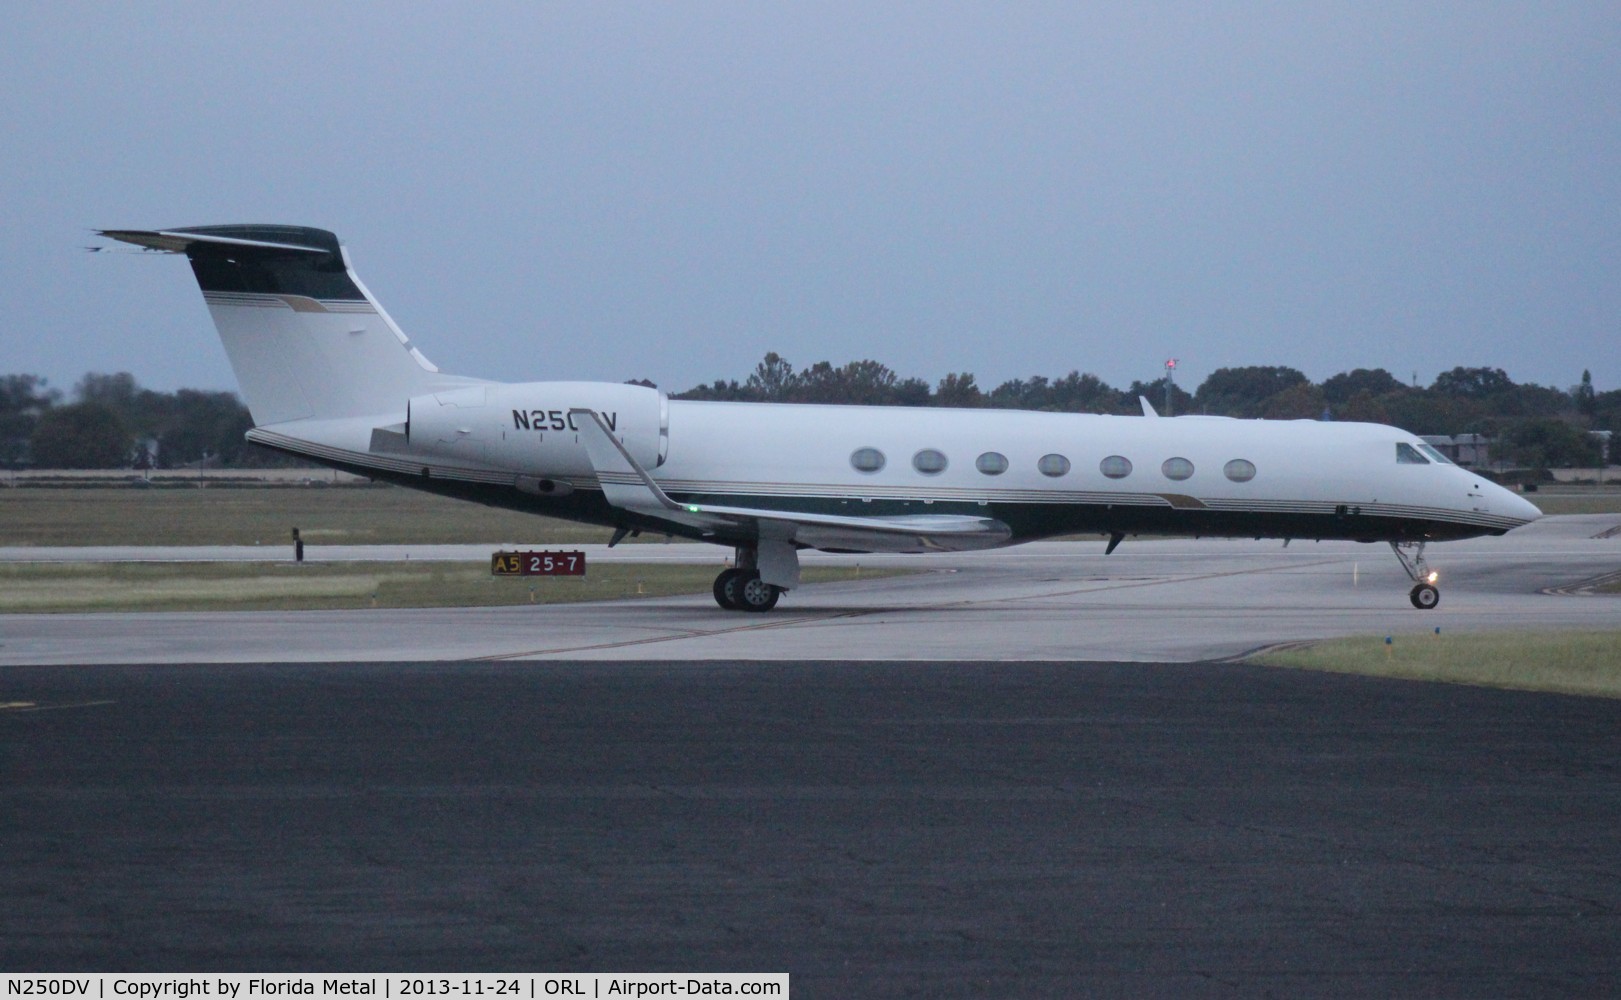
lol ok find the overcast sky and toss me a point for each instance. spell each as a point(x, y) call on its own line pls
point(670, 190)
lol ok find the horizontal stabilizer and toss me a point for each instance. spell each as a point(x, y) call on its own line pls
point(298, 239)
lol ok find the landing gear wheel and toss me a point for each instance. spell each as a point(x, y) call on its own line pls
point(727, 589)
point(754, 594)
point(1424, 597)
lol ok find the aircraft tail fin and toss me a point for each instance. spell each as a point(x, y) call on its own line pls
point(304, 336)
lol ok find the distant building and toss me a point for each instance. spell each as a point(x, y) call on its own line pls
point(1473, 450)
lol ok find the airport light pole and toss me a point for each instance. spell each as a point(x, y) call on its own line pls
point(1170, 380)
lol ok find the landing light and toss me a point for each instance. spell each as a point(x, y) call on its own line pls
point(1434, 576)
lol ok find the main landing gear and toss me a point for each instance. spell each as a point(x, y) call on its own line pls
point(741, 589)
point(1423, 595)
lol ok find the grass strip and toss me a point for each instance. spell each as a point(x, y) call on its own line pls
point(286, 586)
point(373, 514)
point(1585, 663)
point(1577, 503)
point(237, 515)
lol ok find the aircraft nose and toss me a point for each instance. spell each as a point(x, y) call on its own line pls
point(1511, 504)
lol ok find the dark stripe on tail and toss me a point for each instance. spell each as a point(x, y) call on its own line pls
point(223, 267)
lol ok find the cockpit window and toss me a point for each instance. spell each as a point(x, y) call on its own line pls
point(1406, 454)
point(1434, 454)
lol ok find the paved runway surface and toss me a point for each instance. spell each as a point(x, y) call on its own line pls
point(1153, 601)
point(925, 829)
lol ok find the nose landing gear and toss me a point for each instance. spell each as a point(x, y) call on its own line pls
point(1424, 594)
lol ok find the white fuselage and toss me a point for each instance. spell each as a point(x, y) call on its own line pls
point(1042, 473)
point(329, 376)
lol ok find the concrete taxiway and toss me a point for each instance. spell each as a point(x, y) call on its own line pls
point(1158, 601)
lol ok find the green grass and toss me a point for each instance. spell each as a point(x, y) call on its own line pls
point(288, 586)
point(1561, 499)
point(234, 515)
point(1585, 663)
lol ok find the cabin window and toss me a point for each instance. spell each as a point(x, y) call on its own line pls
point(1239, 470)
point(929, 462)
point(1406, 454)
point(992, 463)
point(1435, 454)
point(1053, 465)
point(1177, 468)
point(867, 459)
point(1115, 467)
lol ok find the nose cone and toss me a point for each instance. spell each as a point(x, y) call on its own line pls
point(1511, 504)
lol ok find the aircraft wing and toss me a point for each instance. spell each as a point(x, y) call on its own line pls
point(629, 487)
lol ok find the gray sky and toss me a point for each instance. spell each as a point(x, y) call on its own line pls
point(670, 190)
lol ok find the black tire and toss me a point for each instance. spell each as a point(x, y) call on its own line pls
point(726, 590)
point(754, 594)
point(1424, 597)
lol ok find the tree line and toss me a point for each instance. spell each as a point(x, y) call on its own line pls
point(112, 422)
point(1533, 425)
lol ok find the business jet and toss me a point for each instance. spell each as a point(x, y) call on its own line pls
point(329, 377)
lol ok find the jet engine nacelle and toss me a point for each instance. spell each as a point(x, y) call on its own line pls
point(528, 429)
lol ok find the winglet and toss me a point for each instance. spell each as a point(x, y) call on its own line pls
point(1148, 408)
point(624, 482)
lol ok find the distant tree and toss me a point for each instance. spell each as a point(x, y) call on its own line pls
point(145, 412)
point(823, 383)
point(720, 390)
point(958, 389)
point(23, 400)
point(81, 436)
point(1585, 397)
point(911, 392)
point(1607, 415)
point(1420, 411)
point(774, 380)
point(1532, 400)
point(1365, 408)
point(1338, 389)
point(1022, 394)
point(868, 383)
point(1244, 392)
point(203, 424)
point(1301, 401)
point(1078, 393)
point(1473, 383)
point(1549, 444)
